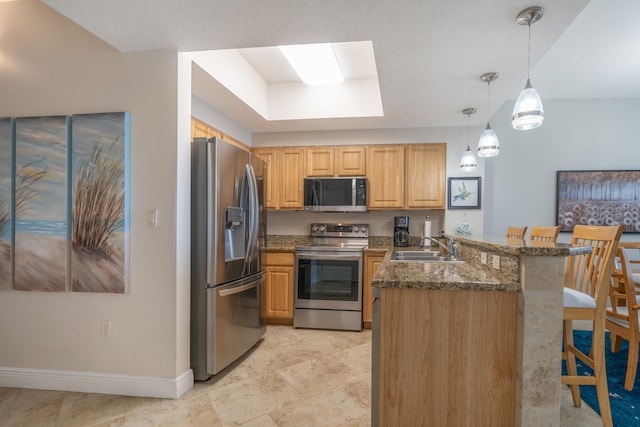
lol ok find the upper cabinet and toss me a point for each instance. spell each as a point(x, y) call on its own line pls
point(321, 161)
point(285, 174)
point(269, 155)
point(411, 176)
point(425, 176)
point(351, 160)
point(336, 161)
point(291, 164)
point(385, 187)
point(200, 129)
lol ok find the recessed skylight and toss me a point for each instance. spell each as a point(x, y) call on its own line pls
point(316, 64)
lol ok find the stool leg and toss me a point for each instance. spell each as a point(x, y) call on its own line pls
point(571, 361)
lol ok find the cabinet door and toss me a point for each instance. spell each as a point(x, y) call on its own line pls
point(426, 175)
point(351, 161)
point(371, 264)
point(279, 286)
point(271, 189)
point(291, 169)
point(385, 164)
point(320, 161)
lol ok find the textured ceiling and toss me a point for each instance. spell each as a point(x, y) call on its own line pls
point(429, 53)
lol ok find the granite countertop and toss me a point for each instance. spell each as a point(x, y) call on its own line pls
point(521, 247)
point(438, 275)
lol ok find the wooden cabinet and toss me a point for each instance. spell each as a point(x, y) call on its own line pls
point(321, 161)
point(351, 160)
point(371, 263)
point(336, 161)
point(285, 174)
point(269, 155)
point(279, 288)
point(425, 176)
point(200, 129)
point(385, 166)
point(291, 164)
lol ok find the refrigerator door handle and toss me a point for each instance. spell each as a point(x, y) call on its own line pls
point(253, 212)
point(239, 288)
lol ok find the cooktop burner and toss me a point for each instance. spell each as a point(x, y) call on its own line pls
point(346, 237)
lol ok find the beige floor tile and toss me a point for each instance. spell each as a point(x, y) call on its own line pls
point(263, 421)
point(243, 401)
point(330, 408)
point(7, 397)
point(79, 409)
point(35, 408)
point(317, 375)
point(360, 391)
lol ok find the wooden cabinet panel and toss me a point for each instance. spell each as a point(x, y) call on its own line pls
point(200, 129)
point(425, 180)
point(448, 357)
point(351, 160)
point(279, 286)
point(291, 164)
point(271, 189)
point(385, 166)
point(320, 161)
point(371, 263)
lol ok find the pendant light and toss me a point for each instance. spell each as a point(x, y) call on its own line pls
point(528, 112)
point(488, 145)
point(468, 160)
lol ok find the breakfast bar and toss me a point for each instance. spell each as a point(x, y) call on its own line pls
point(470, 342)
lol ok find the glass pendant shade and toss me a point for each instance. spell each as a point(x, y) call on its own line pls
point(488, 145)
point(468, 161)
point(528, 112)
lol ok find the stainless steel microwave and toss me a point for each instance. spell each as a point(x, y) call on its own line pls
point(335, 194)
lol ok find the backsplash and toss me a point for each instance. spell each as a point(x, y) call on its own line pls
point(281, 222)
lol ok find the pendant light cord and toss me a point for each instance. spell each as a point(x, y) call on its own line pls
point(529, 54)
point(488, 100)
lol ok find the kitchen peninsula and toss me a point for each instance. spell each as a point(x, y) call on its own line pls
point(468, 343)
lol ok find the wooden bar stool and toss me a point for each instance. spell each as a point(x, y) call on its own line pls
point(516, 232)
point(544, 234)
point(586, 287)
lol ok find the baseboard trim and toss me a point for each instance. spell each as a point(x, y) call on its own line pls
point(91, 382)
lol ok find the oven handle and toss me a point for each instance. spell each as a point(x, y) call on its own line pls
point(322, 256)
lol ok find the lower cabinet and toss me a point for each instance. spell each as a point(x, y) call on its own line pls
point(371, 263)
point(279, 288)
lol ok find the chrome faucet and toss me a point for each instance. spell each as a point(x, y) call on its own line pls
point(450, 247)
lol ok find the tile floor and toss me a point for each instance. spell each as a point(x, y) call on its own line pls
point(292, 378)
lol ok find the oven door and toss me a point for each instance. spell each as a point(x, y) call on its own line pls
point(328, 280)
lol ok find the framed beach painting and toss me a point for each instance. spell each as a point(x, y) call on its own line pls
point(99, 204)
point(40, 257)
point(5, 203)
point(464, 193)
point(610, 197)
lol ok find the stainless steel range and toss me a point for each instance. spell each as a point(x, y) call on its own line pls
point(328, 277)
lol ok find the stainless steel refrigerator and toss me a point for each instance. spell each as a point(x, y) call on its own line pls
point(228, 232)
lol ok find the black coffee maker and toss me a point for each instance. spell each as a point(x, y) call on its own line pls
point(401, 231)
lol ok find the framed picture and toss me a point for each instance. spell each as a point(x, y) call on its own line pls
point(598, 198)
point(464, 193)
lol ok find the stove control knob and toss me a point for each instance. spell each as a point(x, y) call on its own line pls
point(363, 229)
point(314, 228)
point(322, 228)
point(356, 228)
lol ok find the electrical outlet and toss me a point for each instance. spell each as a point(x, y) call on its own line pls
point(105, 328)
point(483, 258)
point(496, 262)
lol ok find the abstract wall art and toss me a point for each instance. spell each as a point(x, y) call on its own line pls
point(598, 198)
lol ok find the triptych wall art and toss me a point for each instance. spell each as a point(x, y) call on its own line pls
point(64, 208)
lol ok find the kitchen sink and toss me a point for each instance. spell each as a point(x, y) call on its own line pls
point(421, 256)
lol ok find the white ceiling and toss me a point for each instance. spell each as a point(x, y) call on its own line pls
point(429, 53)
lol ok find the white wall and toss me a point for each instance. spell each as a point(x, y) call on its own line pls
point(381, 221)
point(520, 184)
point(51, 67)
